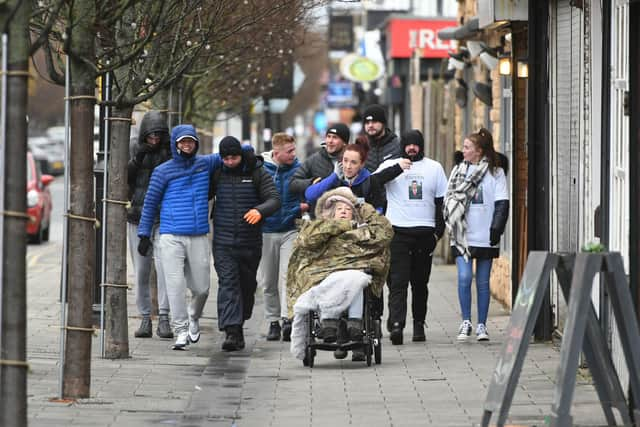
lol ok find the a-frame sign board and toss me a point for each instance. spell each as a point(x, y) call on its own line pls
point(582, 332)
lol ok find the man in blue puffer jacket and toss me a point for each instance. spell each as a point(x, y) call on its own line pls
point(179, 189)
point(278, 234)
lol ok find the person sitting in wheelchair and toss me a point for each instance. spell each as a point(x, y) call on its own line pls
point(329, 264)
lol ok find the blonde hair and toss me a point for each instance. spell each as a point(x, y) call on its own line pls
point(280, 139)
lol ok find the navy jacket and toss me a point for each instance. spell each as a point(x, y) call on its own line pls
point(236, 192)
point(284, 219)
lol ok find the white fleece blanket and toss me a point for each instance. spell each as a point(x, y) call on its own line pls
point(332, 297)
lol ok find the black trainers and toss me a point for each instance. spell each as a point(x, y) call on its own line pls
point(286, 330)
point(144, 331)
point(232, 340)
point(164, 328)
point(396, 334)
point(354, 326)
point(329, 330)
point(418, 331)
point(274, 331)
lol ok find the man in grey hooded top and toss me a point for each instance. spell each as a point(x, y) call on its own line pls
point(149, 150)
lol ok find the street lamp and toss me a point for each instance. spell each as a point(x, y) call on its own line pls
point(504, 65)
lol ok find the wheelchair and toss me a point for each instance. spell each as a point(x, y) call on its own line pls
point(371, 343)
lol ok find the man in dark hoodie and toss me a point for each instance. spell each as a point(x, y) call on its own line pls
point(418, 223)
point(244, 195)
point(149, 150)
point(385, 145)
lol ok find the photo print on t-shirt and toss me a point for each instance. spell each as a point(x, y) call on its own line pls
point(478, 199)
point(415, 188)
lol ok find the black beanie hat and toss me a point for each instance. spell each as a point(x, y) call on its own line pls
point(413, 136)
point(375, 113)
point(341, 130)
point(230, 146)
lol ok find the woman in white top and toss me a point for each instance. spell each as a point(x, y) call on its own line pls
point(476, 208)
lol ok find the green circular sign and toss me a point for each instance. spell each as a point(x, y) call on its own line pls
point(360, 68)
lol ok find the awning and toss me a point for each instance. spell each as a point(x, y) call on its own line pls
point(462, 32)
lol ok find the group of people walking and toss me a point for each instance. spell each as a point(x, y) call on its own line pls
point(260, 240)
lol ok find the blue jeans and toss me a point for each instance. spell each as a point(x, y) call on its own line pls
point(465, 276)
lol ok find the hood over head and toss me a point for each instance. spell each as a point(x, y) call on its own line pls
point(179, 132)
point(154, 121)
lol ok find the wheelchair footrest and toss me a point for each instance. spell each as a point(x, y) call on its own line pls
point(350, 345)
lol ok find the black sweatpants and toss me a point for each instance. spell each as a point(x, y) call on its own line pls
point(236, 268)
point(411, 256)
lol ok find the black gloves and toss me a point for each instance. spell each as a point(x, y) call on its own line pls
point(145, 246)
point(494, 237)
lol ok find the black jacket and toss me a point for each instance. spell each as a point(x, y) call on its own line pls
point(236, 192)
point(141, 166)
point(319, 165)
point(388, 147)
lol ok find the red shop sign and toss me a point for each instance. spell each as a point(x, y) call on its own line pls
point(405, 35)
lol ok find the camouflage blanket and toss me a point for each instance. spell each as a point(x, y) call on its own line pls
point(327, 245)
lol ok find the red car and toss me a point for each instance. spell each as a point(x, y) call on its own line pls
point(38, 202)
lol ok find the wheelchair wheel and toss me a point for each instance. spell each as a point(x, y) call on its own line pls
point(377, 343)
point(368, 350)
point(309, 356)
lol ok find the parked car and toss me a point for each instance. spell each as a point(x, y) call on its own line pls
point(49, 152)
point(39, 203)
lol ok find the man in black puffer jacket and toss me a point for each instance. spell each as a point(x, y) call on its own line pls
point(244, 195)
point(385, 144)
point(149, 150)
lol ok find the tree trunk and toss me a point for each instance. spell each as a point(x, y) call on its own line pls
point(116, 327)
point(13, 377)
point(81, 250)
point(159, 102)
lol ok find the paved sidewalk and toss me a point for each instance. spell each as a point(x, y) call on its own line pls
point(439, 383)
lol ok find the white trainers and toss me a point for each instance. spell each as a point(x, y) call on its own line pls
point(465, 330)
point(481, 333)
point(182, 341)
point(194, 330)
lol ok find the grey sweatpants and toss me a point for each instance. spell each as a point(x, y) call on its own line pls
point(186, 265)
point(142, 270)
point(272, 272)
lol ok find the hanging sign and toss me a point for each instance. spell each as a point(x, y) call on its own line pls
point(406, 35)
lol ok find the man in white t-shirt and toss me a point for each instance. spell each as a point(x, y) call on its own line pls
point(414, 208)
